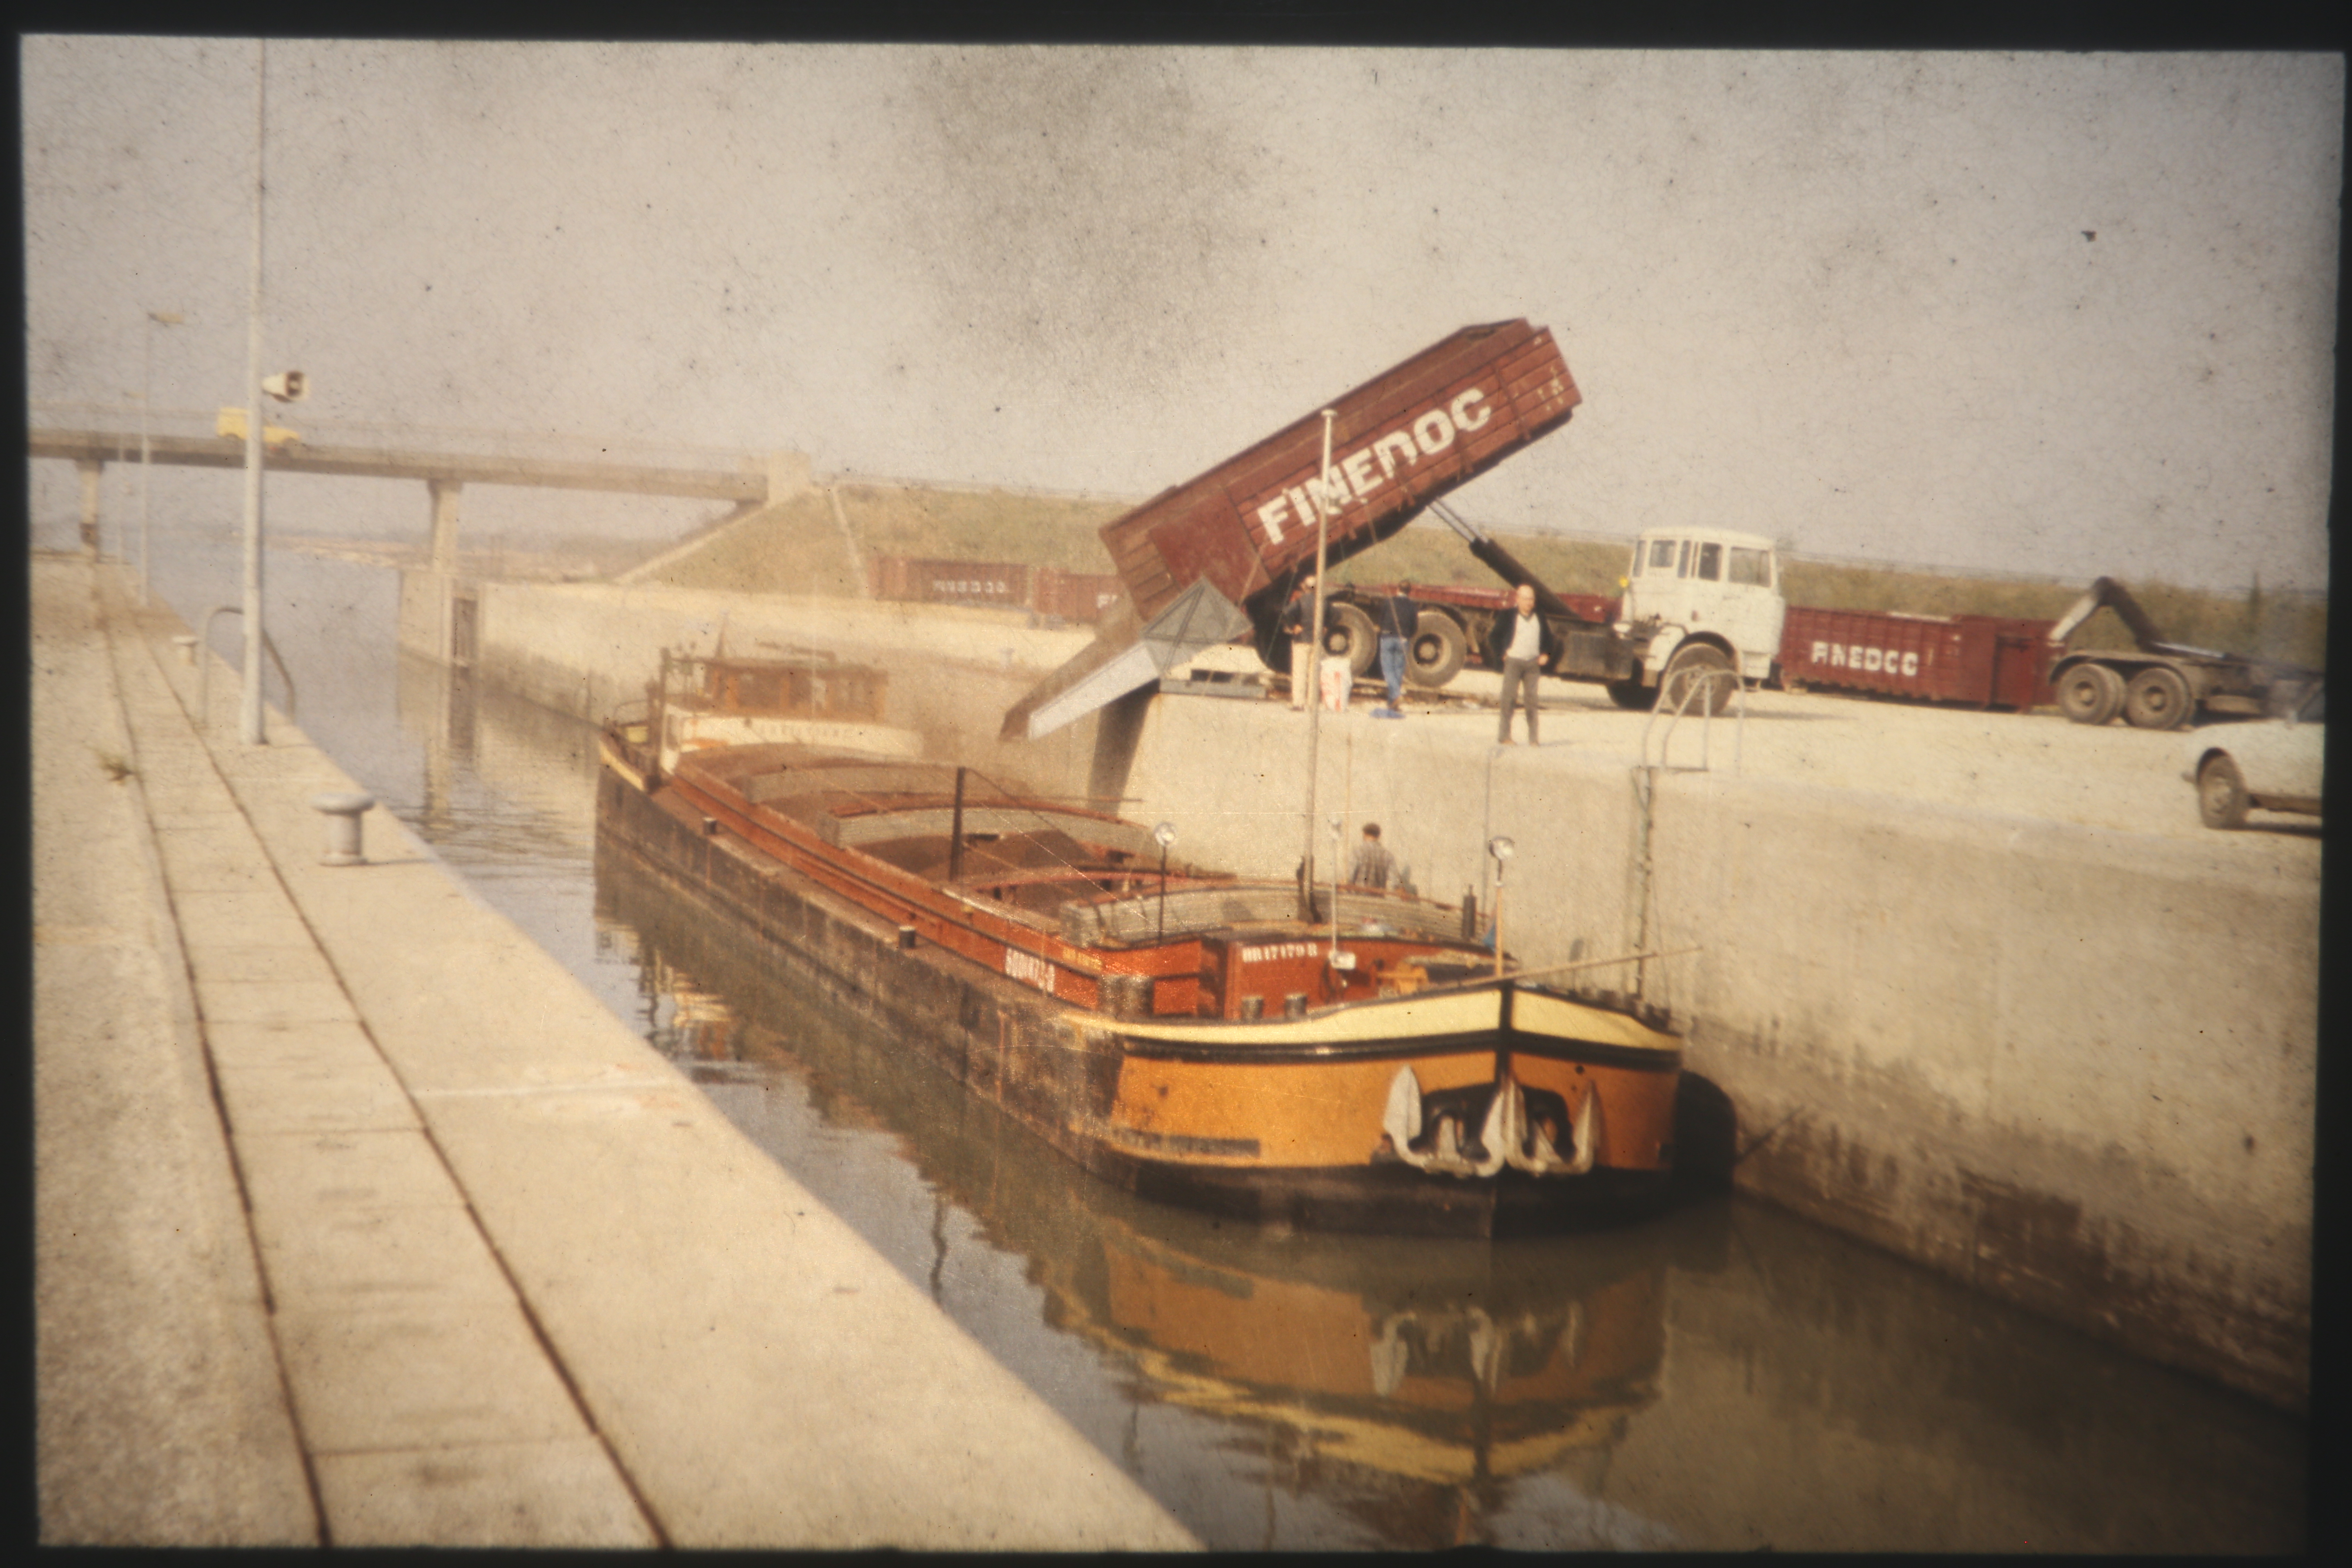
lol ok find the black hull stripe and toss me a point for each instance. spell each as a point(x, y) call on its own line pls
point(1593, 1053)
point(1398, 1200)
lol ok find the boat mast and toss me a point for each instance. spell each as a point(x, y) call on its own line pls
point(660, 712)
point(1322, 492)
point(955, 834)
point(1339, 856)
point(1340, 841)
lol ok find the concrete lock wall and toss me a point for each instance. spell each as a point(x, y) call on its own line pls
point(2073, 1068)
point(586, 648)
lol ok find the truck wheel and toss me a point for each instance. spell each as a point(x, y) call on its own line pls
point(1696, 663)
point(2090, 693)
point(1438, 650)
point(1632, 694)
point(1351, 635)
point(2156, 699)
point(2220, 793)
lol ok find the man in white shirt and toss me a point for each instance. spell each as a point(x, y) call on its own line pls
point(1518, 645)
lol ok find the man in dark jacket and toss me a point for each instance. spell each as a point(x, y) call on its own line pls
point(1373, 865)
point(1295, 615)
point(1520, 645)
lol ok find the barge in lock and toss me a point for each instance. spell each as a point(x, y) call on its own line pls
point(1185, 1032)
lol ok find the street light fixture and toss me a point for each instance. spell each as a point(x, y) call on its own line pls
point(1502, 850)
point(146, 401)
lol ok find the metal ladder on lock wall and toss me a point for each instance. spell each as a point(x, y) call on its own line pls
point(1645, 788)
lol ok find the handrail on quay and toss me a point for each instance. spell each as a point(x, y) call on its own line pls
point(1706, 682)
point(204, 666)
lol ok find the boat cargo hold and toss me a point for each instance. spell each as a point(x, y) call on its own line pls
point(1185, 1032)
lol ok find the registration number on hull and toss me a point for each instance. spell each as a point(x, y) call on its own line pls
point(1029, 969)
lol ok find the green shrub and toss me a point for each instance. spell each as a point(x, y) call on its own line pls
point(798, 548)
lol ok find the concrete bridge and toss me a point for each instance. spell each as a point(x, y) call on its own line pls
point(103, 433)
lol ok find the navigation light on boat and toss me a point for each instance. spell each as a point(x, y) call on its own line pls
point(1502, 850)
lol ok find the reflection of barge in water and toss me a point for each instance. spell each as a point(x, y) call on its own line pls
point(1180, 1032)
point(1404, 1380)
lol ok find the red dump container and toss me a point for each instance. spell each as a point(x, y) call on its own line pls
point(1080, 596)
point(1412, 433)
point(1991, 661)
point(1000, 583)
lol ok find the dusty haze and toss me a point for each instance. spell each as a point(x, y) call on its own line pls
point(2045, 313)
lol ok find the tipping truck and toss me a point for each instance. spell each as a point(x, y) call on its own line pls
point(1217, 557)
point(1698, 602)
point(2160, 685)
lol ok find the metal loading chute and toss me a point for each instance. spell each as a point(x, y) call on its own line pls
point(1123, 657)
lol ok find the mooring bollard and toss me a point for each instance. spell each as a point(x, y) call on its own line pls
point(343, 811)
point(186, 643)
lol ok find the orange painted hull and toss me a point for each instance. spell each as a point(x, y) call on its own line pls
point(1480, 1106)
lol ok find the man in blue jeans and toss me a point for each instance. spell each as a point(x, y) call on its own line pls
point(1520, 644)
point(1397, 619)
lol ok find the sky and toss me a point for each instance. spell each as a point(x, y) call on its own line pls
point(2050, 314)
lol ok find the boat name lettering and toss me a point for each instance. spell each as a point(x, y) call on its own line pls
point(1028, 966)
point(1262, 951)
point(1854, 655)
point(1423, 434)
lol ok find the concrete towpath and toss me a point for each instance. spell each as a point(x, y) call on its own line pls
point(360, 1221)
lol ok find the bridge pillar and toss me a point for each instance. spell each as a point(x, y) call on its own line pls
point(89, 468)
point(445, 493)
point(787, 475)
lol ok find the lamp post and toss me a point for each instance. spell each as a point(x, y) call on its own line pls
point(1502, 850)
point(250, 715)
point(146, 402)
point(1323, 491)
point(286, 386)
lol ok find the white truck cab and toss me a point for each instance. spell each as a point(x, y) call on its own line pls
point(1700, 599)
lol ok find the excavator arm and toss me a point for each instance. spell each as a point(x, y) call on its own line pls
point(2105, 593)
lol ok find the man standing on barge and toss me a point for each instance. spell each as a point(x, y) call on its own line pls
point(1373, 865)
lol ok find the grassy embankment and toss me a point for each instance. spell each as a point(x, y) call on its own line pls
point(798, 549)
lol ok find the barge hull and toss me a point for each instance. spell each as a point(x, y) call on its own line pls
point(1017, 1049)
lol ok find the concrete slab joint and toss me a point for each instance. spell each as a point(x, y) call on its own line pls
point(470, 1236)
